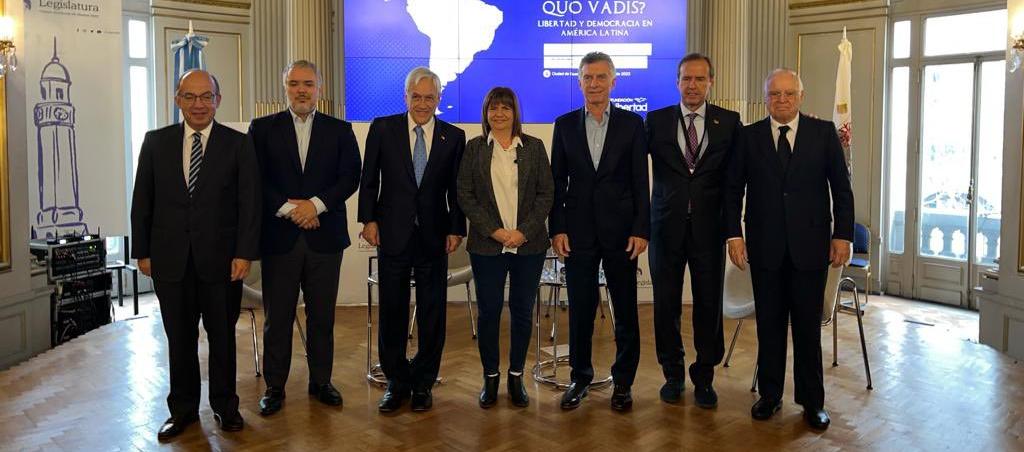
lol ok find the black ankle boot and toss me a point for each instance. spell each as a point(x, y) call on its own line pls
point(517, 392)
point(489, 394)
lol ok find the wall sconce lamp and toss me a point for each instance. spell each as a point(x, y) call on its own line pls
point(1017, 51)
point(8, 59)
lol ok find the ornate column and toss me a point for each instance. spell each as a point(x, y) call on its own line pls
point(745, 39)
point(769, 21)
point(310, 28)
point(269, 54)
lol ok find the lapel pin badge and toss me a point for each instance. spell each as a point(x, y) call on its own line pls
point(442, 137)
point(714, 121)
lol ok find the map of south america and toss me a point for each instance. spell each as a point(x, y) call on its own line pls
point(458, 30)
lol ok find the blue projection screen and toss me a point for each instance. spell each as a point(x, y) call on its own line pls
point(532, 46)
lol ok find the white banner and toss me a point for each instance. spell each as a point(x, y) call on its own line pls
point(842, 114)
point(72, 62)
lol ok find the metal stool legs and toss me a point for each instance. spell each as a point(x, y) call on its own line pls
point(732, 344)
point(255, 343)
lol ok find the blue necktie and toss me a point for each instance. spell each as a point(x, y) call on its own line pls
point(419, 155)
point(195, 162)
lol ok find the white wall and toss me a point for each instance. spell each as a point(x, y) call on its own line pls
point(1002, 313)
point(24, 312)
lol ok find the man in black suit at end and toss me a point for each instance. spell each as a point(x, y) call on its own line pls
point(789, 164)
point(691, 144)
point(310, 166)
point(195, 230)
point(408, 207)
point(601, 216)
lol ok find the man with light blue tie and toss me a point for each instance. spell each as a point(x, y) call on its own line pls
point(407, 204)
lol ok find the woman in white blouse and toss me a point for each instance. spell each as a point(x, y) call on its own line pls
point(506, 190)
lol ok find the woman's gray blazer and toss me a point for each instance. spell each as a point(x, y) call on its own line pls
point(476, 196)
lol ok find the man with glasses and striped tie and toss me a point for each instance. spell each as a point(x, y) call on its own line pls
point(195, 229)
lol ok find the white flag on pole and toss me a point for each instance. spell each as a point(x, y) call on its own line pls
point(841, 114)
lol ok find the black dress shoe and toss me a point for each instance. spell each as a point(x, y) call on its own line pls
point(175, 426)
point(764, 408)
point(705, 396)
point(574, 395)
point(517, 391)
point(622, 398)
point(672, 390)
point(229, 422)
point(393, 398)
point(326, 394)
point(489, 393)
point(817, 419)
point(422, 400)
point(272, 400)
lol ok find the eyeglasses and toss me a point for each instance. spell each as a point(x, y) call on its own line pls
point(206, 98)
point(776, 95)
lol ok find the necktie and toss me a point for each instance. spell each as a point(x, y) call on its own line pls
point(785, 150)
point(419, 155)
point(691, 143)
point(195, 162)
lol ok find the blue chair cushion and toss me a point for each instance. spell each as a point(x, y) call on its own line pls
point(859, 262)
point(861, 238)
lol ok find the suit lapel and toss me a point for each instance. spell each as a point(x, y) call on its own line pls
point(602, 163)
point(768, 151)
point(486, 155)
point(711, 125)
point(676, 159)
point(401, 131)
point(438, 146)
point(211, 159)
point(286, 132)
point(315, 136)
point(797, 148)
point(177, 164)
point(523, 155)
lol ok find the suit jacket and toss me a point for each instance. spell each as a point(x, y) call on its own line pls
point(788, 210)
point(388, 193)
point(676, 190)
point(219, 222)
point(602, 208)
point(331, 174)
point(476, 196)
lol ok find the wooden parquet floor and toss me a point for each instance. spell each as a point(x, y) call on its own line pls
point(935, 388)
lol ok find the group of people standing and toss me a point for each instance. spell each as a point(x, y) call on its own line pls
point(209, 200)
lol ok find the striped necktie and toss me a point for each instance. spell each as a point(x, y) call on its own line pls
point(195, 162)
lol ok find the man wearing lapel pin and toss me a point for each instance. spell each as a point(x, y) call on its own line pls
point(310, 166)
point(601, 215)
point(690, 143)
point(407, 204)
point(789, 164)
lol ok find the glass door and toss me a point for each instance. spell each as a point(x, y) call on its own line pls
point(945, 132)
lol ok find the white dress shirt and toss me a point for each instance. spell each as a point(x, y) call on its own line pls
point(303, 132)
point(698, 126)
point(505, 180)
point(186, 147)
point(428, 134)
point(790, 135)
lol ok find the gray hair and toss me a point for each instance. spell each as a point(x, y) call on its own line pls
point(596, 57)
point(306, 64)
point(783, 70)
point(420, 73)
